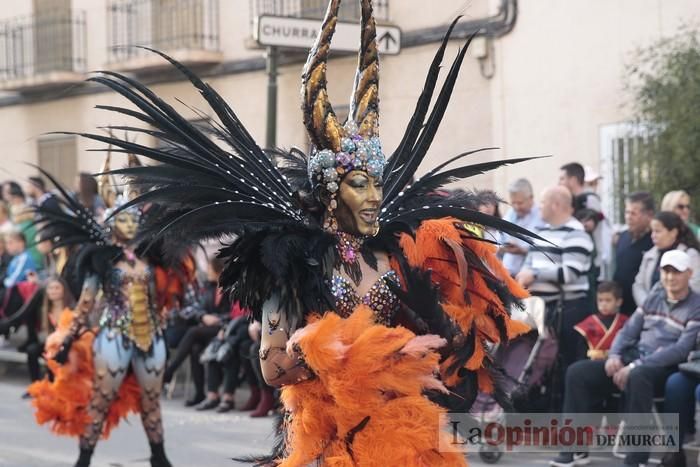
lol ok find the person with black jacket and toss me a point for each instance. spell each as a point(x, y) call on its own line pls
point(215, 306)
point(36, 190)
point(631, 244)
point(229, 356)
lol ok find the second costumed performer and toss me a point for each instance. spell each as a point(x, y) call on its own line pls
point(376, 299)
point(102, 373)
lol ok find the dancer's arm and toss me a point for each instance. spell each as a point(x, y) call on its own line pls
point(278, 367)
point(85, 304)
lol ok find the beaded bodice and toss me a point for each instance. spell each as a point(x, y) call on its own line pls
point(379, 297)
point(130, 303)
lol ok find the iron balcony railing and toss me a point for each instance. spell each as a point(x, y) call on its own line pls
point(315, 9)
point(166, 25)
point(40, 44)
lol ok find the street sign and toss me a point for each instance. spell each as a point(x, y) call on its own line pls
point(285, 31)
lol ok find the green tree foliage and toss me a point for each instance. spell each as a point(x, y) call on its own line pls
point(665, 84)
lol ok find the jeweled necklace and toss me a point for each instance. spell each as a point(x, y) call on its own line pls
point(348, 248)
point(129, 255)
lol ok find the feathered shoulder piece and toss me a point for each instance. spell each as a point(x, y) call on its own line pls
point(75, 227)
point(292, 261)
point(459, 289)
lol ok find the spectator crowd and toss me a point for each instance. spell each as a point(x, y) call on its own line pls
point(624, 303)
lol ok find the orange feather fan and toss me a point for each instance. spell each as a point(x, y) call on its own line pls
point(438, 246)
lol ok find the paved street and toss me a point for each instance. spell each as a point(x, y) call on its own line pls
point(192, 439)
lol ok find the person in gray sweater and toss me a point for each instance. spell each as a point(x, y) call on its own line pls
point(657, 337)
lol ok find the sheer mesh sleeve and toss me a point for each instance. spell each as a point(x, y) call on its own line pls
point(278, 367)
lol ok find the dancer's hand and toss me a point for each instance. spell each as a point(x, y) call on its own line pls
point(61, 356)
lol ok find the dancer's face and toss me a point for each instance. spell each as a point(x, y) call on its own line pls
point(125, 225)
point(359, 199)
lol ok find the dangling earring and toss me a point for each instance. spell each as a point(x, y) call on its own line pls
point(330, 224)
point(375, 232)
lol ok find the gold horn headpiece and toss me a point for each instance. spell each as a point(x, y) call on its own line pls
point(105, 182)
point(107, 186)
point(339, 149)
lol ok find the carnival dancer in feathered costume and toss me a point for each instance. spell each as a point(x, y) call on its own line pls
point(101, 375)
point(377, 299)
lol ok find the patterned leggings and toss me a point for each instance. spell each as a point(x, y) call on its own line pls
point(112, 356)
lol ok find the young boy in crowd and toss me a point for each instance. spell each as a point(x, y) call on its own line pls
point(599, 330)
point(22, 262)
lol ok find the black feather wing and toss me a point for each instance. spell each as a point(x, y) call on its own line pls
point(406, 203)
point(73, 226)
point(290, 260)
point(210, 179)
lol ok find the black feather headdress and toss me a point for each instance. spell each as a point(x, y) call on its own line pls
point(73, 226)
point(212, 180)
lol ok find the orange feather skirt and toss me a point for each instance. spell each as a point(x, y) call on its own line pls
point(365, 407)
point(63, 403)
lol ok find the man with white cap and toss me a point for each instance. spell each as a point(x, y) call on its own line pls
point(656, 338)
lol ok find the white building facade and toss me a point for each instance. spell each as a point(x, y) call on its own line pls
point(545, 77)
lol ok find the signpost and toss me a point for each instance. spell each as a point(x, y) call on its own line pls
point(280, 32)
point(300, 33)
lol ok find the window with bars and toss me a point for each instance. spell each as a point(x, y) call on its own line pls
point(166, 25)
point(53, 39)
point(315, 9)
point(625, 165)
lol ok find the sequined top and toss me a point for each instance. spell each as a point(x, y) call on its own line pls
point(117, 313)
point(379, 297)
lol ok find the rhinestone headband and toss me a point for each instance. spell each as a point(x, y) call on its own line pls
point(110, 220)
point(356, 153)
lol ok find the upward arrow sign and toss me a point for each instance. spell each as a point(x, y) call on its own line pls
point(388, 39)
point(300, 33)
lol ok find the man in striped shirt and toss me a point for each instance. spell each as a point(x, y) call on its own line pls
point(557, 269)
